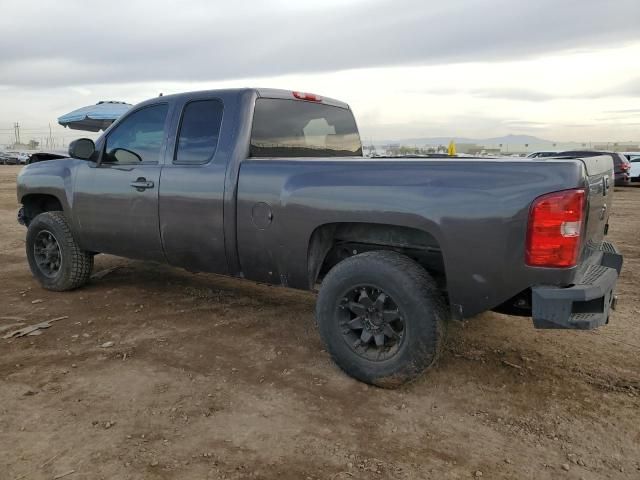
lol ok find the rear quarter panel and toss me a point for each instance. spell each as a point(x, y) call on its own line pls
point(477, 210)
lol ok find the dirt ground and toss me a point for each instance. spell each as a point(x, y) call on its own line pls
point(210, 378)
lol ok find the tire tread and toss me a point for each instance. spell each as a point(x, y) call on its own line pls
point(81, 261)
point(422, 288)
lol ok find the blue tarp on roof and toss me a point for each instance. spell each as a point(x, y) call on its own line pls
point(94, 117)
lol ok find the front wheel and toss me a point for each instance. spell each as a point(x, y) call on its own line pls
point(55, 258)
point(381, 317)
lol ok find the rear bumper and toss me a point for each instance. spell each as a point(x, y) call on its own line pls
point(585, 305)
point(622, 179)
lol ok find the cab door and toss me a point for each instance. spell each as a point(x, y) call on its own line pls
point(193, 186)
point(116, 199)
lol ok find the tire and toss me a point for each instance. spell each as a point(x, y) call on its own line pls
point(410, 294)
point(74, 265)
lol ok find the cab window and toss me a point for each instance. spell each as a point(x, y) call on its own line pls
point(199, 132)
point(139, 138)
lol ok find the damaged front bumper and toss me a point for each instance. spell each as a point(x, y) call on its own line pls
point(584, 305)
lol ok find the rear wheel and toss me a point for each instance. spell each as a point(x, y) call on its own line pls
point(381, 317)
point(55, 258)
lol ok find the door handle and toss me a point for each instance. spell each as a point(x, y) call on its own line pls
point(141, 184)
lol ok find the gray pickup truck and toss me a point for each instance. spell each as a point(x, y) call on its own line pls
point(271, 186)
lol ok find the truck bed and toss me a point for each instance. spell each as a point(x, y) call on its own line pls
point(474, 211)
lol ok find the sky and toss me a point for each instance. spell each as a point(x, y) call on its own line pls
point(557, 69)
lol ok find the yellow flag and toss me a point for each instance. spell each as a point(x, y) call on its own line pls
point(452, 148)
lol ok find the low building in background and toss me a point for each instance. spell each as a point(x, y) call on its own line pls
point(617, 147)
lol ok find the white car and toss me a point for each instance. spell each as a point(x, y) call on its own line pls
point(634, 159)
point(634, 172)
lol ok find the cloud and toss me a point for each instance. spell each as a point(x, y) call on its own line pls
point(630, 111)
point(629, 88)
point(525, 125)
point(503, 93)
point(521, 94)
point(127, 41)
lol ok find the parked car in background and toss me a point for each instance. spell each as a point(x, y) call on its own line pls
point(18, 158)
point(10, 158)
point(542, 154)
point(634, 159)
point(634, 171)
point(631, 155)
point(621, 165)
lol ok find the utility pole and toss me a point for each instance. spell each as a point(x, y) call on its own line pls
point(16, 131)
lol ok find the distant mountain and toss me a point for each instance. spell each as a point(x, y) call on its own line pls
point(505, 140)
point(517, 140)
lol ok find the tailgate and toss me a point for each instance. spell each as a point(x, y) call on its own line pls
point(599, 198)
point(586, 303)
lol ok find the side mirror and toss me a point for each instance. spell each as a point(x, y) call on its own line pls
point(125, 157)
point(83, 148)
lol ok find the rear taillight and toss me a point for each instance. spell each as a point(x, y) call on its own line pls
point(555, 228)
point(309, 97)
point(625, 166)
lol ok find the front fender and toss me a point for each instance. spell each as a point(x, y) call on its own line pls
point(54, 178)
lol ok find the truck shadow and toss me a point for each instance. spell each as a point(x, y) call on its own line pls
point(492, 350)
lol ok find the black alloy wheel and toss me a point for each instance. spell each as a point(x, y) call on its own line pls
point(373, 326)
point(47, 253)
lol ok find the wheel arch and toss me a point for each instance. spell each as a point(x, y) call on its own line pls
point(333, 242)
point(37, 203)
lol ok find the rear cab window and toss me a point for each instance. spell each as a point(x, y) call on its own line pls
point(296, 128)
point(198, 132)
